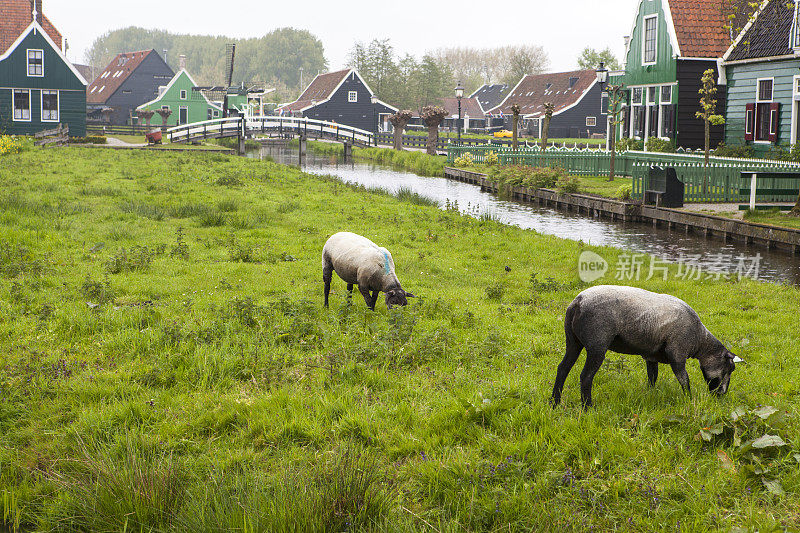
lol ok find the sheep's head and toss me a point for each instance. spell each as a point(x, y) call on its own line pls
point(717, 371)
point(397, 297)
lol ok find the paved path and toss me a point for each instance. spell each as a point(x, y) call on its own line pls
point(113, 141)
point(725, 210)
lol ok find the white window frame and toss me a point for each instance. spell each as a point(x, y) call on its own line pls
point(661, 104)
point(58, 105)
point(593, 120)
point(795, 107)
point(14, 107)
point(633, 106)
point(183, 94)
point(755, 111)
point(644, 40)
point(352, 97)
point(181, 108)
point(28, 62)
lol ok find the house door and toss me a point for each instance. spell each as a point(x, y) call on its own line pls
point(183, 116)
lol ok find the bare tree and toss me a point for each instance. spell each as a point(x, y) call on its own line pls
point(515, 109)
point(107, 112)
point(400, 120)
point(164, 113)
point(549, 107)
point(147, 115)
point(432, 116)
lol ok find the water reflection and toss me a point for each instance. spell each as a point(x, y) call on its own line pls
point(670, 245)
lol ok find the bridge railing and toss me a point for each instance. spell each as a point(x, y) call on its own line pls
point(219, 127)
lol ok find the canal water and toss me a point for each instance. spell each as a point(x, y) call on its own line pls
point(712, 256)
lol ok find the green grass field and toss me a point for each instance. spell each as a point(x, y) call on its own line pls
point(166, 365)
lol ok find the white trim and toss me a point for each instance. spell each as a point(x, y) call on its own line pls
point(181, 108)
point(41, 104)
point(30, 105)
point(28, 64)
point(34, 26)
point(591, 125)
point(183, 95)
point(758, 91)
point(352, 97)
point(171, 82)
point(644, 40)
point(509, 93)
point(673, 35)
point(795, 108)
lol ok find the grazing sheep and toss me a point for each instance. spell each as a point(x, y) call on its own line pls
point(359, 261)
point(659, 327)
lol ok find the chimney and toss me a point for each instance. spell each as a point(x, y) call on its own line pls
point(182, 62)
point(165, 56)
point(36, 10)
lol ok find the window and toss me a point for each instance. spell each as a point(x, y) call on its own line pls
point(652, 92)
point(591, 122)
point(50, 111)
point(667, 120)
point(36, 63)
point(765, 120)
point(352, 96)
point(216, 113)
point(649, 40)
point(666, 94)
point(637, 95)
point(22, 105)
point(210, 114)
point(183, 95)
point(572, 82)
point(547, 87)
point(604, 104)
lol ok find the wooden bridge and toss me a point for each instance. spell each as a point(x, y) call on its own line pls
point(244, 127)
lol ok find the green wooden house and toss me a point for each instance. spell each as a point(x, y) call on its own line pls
point(762, 68)
point(39, 86)
point(671, 44)
point(187, 104)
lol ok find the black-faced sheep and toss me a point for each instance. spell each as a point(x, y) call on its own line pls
point(359, 261)
point(659, 327)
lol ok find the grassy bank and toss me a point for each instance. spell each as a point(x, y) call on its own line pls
point(166, 365)
point(411, 160)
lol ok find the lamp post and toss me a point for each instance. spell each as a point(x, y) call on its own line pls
point(602, 79)
point(459, 96)
point(374, 100)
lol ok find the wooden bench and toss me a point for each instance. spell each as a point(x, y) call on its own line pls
point(754, 190)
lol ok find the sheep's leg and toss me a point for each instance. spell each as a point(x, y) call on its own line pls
point(652, 373)
point(594, 360)
point(367, 297)
point(375, 298)
point(327, 274)
point(349, 291)
point(571, 355)
point(683, 377)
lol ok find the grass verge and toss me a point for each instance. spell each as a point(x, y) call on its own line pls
point(411, 160)
point(166, 365)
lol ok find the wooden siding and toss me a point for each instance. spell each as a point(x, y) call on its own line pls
point(690, 129)
point(570, 123)
point(742, 81)
point(356, 114)
point(140, 87)
point(195, 103)
point(664, 70)
point(57, 76)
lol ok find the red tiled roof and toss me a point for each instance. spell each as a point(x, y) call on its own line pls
point(15, 16)
point(109, 80)
point(533, 91)
point(700, 26)
point(320, 89)
point(469, 107)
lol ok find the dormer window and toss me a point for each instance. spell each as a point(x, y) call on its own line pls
point(36, 63)
point(649, 40)
point(572, 82)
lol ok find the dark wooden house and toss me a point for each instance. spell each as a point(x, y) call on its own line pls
point(762, 70)
point(39, 86)
point(342, 97)
point(670, 46)
point(577, 99)
point(130, 80)
point(490, 96)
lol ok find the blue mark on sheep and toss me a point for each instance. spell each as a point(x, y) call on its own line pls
point(386, 266)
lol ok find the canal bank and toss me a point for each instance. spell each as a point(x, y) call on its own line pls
point(726, 229)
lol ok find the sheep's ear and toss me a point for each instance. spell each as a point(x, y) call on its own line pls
point(737, 359)
point(409, 295)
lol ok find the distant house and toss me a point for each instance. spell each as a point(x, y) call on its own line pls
point(187, 103)
point(341, 97)
point(472, 115)
point(490, 96)
point(762, 68)
point(39, 86)
point(577, 99)
point(670, 46)
point(131, 79)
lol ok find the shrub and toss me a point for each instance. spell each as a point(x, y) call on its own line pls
point(569, 184)
point(624, 192)
point(491, 159)
point(627, 144)
point(654, 144)
point(513, 175)
point(740, 150)
point(10, 145)
point(89, 139)
point(466, 160)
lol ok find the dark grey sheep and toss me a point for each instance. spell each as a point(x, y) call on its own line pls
point(359, 261)
point(659, 327)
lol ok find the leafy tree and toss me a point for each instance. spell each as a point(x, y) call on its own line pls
point(524, 60)
point(591, 59)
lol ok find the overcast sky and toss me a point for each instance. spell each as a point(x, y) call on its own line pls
point(562, 27)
